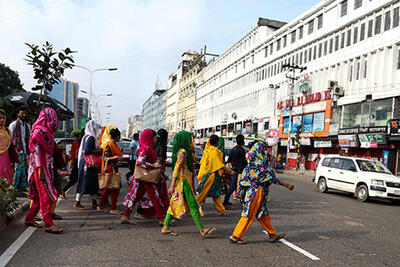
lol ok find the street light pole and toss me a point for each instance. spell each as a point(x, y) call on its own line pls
point(91, 72)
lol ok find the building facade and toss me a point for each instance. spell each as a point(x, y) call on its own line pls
point(67, 93)
point(171, 118)
point(134, 126)
point(154, 110)
point(346, 62)
point(83, 111)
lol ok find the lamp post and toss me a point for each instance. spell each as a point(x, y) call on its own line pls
point(91, 72)
point(95, 105)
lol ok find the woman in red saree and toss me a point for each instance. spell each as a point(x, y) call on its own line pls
point(41, 170)
point(147, 158)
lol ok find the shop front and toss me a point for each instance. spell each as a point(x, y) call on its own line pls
point(394, 139)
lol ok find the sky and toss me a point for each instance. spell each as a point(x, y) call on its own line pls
point(144, 39)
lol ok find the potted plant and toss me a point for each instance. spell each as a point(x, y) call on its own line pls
point(8, 201)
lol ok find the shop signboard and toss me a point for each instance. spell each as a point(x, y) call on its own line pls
point(284, 142)
point(296, 123)
point(333, 129)
point(363, 130)
point(385, 158)
point(322, 143)
point(319, 122)
point(305, 141)
point(307, 123)
point(285, 125)
point(274, 122)
point(84, 121)
point(372, 140)
point(271, 141)
point(395, 127)
point(348, 140)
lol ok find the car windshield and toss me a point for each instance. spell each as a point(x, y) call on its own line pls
point(169, 148)
point(198, 151)
point(124, 145)
point(372, 166)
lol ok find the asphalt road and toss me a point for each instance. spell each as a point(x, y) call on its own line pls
point(334, 227)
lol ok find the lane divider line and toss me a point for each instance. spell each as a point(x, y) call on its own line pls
point(17, 244)
point(294, 247)
point(10, 252)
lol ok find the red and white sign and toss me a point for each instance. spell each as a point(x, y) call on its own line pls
point(301, 100)
point(369, 144)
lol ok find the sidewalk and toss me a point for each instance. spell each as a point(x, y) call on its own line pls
point(17, 213)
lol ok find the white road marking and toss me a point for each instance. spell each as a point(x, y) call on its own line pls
point(302, 251)
point(10, 252)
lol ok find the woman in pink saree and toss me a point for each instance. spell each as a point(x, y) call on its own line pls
point(41, 170)
point(5, 142)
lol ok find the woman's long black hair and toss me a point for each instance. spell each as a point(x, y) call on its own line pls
point(161, 145)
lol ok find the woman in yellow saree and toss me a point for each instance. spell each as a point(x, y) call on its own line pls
point(211, 169)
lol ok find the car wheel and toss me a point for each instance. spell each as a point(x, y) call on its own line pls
point(362, 193)
point(322, 186)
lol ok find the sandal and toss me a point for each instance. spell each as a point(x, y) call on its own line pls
point(223, 214)
point(54, 229)
point(139, 216)
point(236, 240)
point(78, 206)
point(33, 224)
point(207, 232)
point(56, 217)
point(116, 212)
point(128, 222)
point(275, 237)
point(229, 207)
point(101, 209)
point(171, 233)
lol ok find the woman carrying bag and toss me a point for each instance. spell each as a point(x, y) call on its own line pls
point(111, 155)
point(147, 161)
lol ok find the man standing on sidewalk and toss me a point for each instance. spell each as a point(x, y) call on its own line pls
point(237, 162)
point(132, 158)
point(21, 134)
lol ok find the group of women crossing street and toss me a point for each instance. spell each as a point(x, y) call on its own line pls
point(150, 193)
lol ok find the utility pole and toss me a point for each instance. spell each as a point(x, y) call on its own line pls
point(292, 78)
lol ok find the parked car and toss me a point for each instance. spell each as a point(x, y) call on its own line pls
point(363, 177)
point(199, 154)
point(168, 161)
point(126, 151)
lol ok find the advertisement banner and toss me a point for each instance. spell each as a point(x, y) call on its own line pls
point(284, 142)
point(285, 125)
point(322, 144)
point(372, 138)
point(333, 129)
point(307, 123)
point(385, 158)
point(305, 141)
point(296, 122)
point(349, 140)
point(319, 122)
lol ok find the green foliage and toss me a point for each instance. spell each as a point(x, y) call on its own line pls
point(59, 134)
point(8, 197)
point(48, 65)
point(9, 81)
point(74, 133)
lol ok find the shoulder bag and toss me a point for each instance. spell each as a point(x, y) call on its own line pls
point(109, 181)
point(152, 176)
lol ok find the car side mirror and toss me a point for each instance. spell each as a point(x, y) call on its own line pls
point(353, 169)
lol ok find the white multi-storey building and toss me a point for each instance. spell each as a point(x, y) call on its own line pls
point(352, 82)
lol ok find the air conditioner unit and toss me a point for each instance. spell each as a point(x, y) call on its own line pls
point(338, 91)
point(332, 84)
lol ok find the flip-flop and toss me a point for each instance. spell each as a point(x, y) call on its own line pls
point(33, 224)
point(223, 214)
point(237, 241)
point(276, 237)
point(171, 233)
point(128, 222)
point(59, 231)
point(208, 232)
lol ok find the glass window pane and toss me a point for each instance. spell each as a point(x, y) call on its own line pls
point(387, 21)
point(362, 32)
point(378, 24)
point(396, 17)
point(352, 115)
point(370, 27)
point(381, 111)
point(343, 8)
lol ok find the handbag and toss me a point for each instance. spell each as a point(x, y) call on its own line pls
point(109, 181)
point(92, 161)
point(152, 176)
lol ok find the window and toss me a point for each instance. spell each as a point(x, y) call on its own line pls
point(358, 70)
point(300, 32)
point(293, 39)
point(326, 162)
point(315, 52)
point(348, 165)
point(278, 45)
point(244, 64)
point(311, 27)
point(343, 8)
point(284, 41)
point(337, 43)
point(348, 38)
point(330, 45)
point(305, 56)
point(342, 40)
point(398, 59)
point(301, 58)
point(351, 72)
point(378, 24)
point(362, 32)
point(309, 54)
point(252, 59)
point(387, 21)
point(357, 4)
point(319, 21)
point(396, 17)
point(370, 28)
point(297, 59)
point(355, 35)
point(365, 68)
point(266, 51)
point(320, 50)
point(335, 163)
point(270, 49)
point(325, 48)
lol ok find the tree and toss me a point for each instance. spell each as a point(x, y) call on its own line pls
point(9, 81)
point(48, 65)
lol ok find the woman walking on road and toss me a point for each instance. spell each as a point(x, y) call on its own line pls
point(181, 189)
point(147, 159)
point(41, 172)
point(5, 146)
point(88, 180)
point(209, 177)
point(253, 189)
point(111, 155)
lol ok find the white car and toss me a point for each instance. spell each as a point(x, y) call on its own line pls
point(168, 161)
point(363, 177)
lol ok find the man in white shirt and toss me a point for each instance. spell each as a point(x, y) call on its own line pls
point(21, 134)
